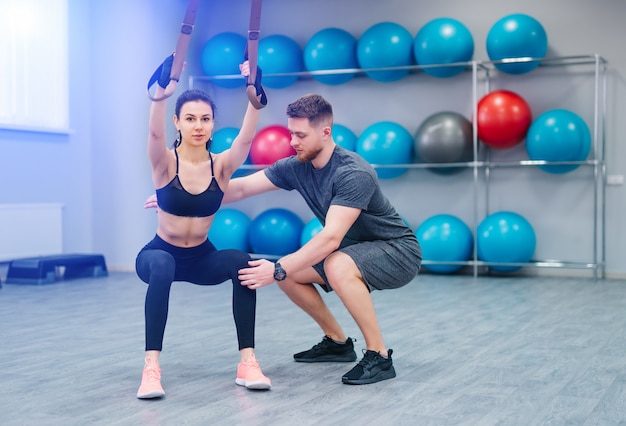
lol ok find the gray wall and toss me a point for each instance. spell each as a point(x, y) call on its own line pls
point(101, 172)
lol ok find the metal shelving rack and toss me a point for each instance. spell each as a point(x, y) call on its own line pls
point(482, 167)
point(596, 161)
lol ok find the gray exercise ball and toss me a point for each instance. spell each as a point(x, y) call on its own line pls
point(444, 137)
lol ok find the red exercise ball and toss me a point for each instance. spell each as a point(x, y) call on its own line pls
point(503, 119)
point(271, 144)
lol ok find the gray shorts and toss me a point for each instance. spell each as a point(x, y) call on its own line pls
point(383, 264)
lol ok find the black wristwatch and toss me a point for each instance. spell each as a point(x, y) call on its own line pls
point(279, 273)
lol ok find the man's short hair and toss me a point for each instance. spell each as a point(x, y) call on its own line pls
point(314, 107)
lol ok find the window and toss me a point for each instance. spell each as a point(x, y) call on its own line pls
point(34, 65)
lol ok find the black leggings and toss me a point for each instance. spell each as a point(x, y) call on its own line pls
point(159, 264)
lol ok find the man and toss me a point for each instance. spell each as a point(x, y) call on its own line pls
point(364, 244)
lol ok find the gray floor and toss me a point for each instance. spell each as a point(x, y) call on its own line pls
point(486, 351)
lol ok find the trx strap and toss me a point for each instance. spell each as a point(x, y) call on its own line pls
point(177, 60)
point(255, 91)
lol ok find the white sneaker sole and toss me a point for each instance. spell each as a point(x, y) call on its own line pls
point(150, 395)
point(253, 385)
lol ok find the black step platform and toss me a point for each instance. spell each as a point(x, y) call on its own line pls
point(49, 269)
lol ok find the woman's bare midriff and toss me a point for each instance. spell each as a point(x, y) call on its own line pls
point(183, 231)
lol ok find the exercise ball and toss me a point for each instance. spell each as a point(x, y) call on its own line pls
point(443, 41)
point(222, 55)
point(558, 135)
point(230, 230)
point(331, 49)
point(222, 140)
point(310, 230)
point(517, 36)
point(344, 137)
point(279, 54)
point(383, 45)
point(444, 137)
point(503, 119)
point(505, 237)
point(270, 144)
point(386, 143)
point(443, 238)
point(275, 232)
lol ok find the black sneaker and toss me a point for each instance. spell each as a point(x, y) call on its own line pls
point(371, 369)
point(328, 351)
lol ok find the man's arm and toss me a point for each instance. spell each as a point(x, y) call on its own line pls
point(247, 186)
point(339, 219)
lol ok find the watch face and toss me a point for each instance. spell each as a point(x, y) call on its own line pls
point(279, 273)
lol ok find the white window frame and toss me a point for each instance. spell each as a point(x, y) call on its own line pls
point(34, 65)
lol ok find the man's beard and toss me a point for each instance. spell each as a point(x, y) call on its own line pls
point(303, 157)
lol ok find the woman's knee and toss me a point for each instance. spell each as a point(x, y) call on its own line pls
point(155, 262)
point(238, 257)
point(234, 260)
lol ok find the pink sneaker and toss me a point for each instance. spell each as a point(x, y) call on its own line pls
point(249, 374)
point(150, 381)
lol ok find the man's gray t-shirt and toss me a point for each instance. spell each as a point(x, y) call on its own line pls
point(346, 180)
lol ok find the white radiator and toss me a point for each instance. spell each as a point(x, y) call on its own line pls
point(28, 230)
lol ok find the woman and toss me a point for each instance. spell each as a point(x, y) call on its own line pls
point(190, 184)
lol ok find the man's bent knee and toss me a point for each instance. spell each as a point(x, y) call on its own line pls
point(339, 265)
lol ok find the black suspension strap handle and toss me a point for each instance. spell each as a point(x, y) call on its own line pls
point(254, 89)
point(172, 67)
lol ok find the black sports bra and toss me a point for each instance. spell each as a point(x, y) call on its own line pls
point(175, 199)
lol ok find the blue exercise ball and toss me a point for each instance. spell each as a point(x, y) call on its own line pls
point(311, 229)
point(221, 55)
point(344, 137)
point(222, 140)
point(331, 49)
point(517, 36)
point(386, 143)
point(230, 230)
point(383, 45)
point(443, 41)
point(279, 54)
point(275, 232)
point(445, 237)
point(558, 135)
point(505, 237)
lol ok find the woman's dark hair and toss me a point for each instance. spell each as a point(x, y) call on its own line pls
point(192, 95)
